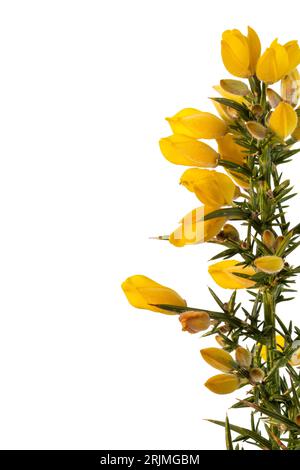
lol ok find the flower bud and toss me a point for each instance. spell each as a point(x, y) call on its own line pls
point(218, 358)
point(142, 292)
point(278, 242)
point(290, 88)
point(194, 321)
point(197, 124)
point(269, 264)
point(235, 87)
point(229, 232)
point(273, 98)
point(232, 113)
point(243, 357)
point(268, 239)
point(295, 358)
point(257, 110)
point(297, 420)
point(220, 341)
point(283, 120)
point(256, 376)
point(223, 384)
point(256, 130)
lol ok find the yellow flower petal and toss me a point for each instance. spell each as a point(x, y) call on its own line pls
point(218, 358)
point(235, 53)
point(293, 51)
point(197, 124)
point(283, 120)
point(223, 384)
point(273, 64)
point(210, 187)
point(254, 48)
point(183, 150)
point(141, 292)
point(194, 230)
point(296, 133)
point(269, 264)
point(223, 274)
point(280, 342)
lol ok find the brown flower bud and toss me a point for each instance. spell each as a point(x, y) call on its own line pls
point(256, 376)
point(230, 232)
point(235, 87)
point(268, 239)
point(194, 321)
point(297, 420)
point(243, 357)
point(279, 240)
point(257, 130)
point(257, 110)
point(220, 341)
point(273, 98)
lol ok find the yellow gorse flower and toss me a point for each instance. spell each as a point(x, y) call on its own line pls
point(193, 229)
point(211, 187)
point(219, 359)
point(143, 292)
point(224, 274)
point(283, 120)
point(197, 124)
point(223, 384)
point(240, 53)
point(277, 61)
point(183, 150)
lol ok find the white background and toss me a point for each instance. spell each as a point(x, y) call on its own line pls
point(84, 89)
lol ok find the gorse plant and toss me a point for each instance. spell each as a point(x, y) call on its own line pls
point(254, 134)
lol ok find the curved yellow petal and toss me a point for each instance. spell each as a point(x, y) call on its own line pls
point(197, 124)
point(283, 120)
point(223, 383)
point(280, 342)
point(210, 187)
point(223, 273)
point(293, 51)
point(269, 264)
point(183, 150)
point(230, 150)
point(142, 292)
point(273, 64)
point(254, 48)
point(193, 229)
point(235, 53)
point(218, 358)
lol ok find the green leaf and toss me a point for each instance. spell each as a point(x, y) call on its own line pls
point(233, 213)
point(246, 433)
point(291, 425)
point(228, 437)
